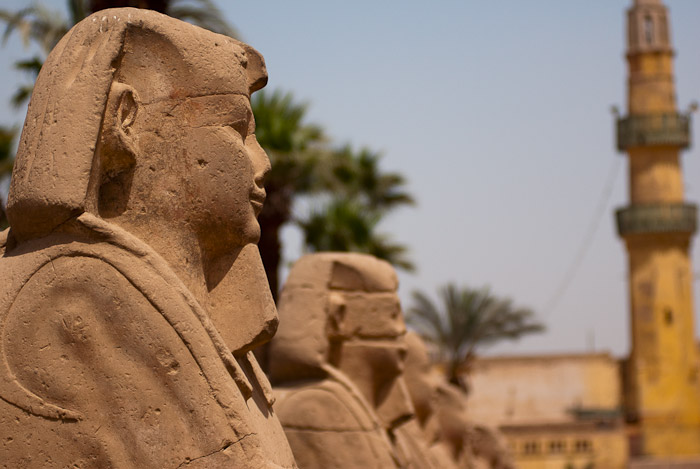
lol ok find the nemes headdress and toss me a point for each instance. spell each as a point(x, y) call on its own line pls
point(57, 165)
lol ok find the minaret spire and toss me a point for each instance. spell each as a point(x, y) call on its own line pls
point(647, 27)
point(658, 226)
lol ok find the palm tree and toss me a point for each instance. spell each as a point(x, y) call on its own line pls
point(345, 224)
point(295, 149)
point(469, 319)
point(40, 25)
point(361, 178)
point(349, 191)
point(360, 195)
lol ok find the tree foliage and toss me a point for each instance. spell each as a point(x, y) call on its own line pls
point(467, 320)
point(348, 192)
point(295, 149)
point(356, 195)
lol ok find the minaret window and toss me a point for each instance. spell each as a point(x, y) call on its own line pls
point(668, 316)
point(648, 29)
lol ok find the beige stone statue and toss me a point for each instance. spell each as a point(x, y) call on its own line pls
point(424, 385)
point(442, 414)
point(130, 293)
point(337, 364)
point(473, 445)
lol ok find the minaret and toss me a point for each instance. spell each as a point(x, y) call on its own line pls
point(657, 227)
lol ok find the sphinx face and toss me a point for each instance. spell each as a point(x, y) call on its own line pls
point(198, 185)
point(374, 324)
point(211, 153)
point(421, 380)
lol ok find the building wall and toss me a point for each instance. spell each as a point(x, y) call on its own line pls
point(512, 390)
point(561, 448)
point(530, 399)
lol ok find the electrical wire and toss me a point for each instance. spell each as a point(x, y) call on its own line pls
point(585, 245)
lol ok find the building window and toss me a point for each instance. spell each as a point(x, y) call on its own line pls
point(557, 446)
point(531, 447)
point(583, 446)
point(668, 316)
point(648, 29)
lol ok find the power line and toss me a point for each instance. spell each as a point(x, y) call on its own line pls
point(587, 240)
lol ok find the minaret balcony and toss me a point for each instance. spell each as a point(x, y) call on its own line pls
point(657, 218)
point(653, 130)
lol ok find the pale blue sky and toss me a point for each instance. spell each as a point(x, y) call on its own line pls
point(498, 113)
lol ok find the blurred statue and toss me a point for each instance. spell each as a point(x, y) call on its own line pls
point(337, 363)
point(441, 412)
point(423, 385)
point(130, 293)
point(472, 445)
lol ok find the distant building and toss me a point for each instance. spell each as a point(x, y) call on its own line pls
point(590, 411)
point(557, 411)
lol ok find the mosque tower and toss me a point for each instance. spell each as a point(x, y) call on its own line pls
point(663, 390)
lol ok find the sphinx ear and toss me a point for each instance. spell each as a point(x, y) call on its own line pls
point(120, 114)
point(118, 150)
point(336, 315)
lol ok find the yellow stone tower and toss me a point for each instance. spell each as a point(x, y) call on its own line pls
point(663, 396)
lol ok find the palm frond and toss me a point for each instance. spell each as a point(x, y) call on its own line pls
point(32, 65)
point(21, 95)
point(427, 319)
point(36, 23)
point(468, 320)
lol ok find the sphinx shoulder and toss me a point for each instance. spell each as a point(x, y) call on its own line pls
point(324, 405)
point(78, 321)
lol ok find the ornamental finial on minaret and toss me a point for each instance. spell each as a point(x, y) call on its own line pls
point(647, 27)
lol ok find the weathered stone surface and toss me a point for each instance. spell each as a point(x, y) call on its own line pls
point(423, 384)
point(441, 412)
point(131, 294)
point(337, 364)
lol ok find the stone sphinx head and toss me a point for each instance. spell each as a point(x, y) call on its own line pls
point(134, 95)
point(421, 381)
point(145, 121)
point(340, 311)
point(332, 303)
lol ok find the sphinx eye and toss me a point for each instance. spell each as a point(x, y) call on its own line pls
point(241, 127)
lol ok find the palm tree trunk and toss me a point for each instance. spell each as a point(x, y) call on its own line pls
point(3, 218)
point(275, 213)
point(271, 250)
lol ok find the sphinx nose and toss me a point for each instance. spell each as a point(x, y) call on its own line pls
point(259, 159)
point(402, 350)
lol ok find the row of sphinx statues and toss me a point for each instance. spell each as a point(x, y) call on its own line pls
point(353, 388)
point(133, 298)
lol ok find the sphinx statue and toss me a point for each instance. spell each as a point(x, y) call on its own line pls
point(131, 291)
point(473, 445)
point(336, 366)
point(441, 412)
point(424, 386)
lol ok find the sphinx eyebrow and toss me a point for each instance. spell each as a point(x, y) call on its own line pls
point(187, 98)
